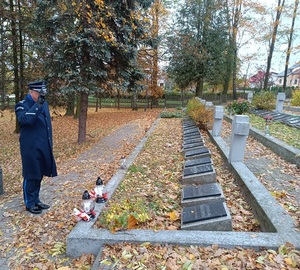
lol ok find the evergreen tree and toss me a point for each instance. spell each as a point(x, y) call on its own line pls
point(87, 44)
point(200, 46)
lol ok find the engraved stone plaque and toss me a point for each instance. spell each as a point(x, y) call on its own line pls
point(197, 151)
point(197, 170)
point(192, 145)
point(202, 191)
point(198, 161)
point(203, 212)
point(192, 140)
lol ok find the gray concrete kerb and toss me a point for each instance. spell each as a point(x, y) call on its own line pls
point(287, 152)
point(277, 224)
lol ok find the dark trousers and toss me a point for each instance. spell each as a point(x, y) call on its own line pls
point(31, 192)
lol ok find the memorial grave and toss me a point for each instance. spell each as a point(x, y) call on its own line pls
point(202, 200)
point(277, 228)
point(290, 120)
point(209, 216)
point(193, 195)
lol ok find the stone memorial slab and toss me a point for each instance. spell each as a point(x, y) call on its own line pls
point(192, 145)
point(212, 216)
point(196, 140)
point(189, 126)
point(200, 174)
point(197, 153)
point(202, 191)
point(203, 212)
point(279, 117)
point(197, 170)
point(198, 161)
point(189, 131)
point(194, 195)
point(189, 123)
point(192, 136)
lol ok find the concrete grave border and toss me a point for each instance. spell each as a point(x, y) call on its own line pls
point(274, 220)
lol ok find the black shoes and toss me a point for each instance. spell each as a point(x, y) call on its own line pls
point(38, 208)
point(34, 210)
point(42, 206)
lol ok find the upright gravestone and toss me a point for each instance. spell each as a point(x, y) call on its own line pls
point(240, 132)
point(279, 101)
point(250, 97)
point(218, 118)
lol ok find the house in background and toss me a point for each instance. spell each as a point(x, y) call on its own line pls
point(257, 80)
point(293, 77)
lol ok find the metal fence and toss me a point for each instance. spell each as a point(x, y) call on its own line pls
point(167, 101)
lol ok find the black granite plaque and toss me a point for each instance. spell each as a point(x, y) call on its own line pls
point(195, 140)
point(189, 126)
point(192, 145)
point(191, 131)
point(203, 212)
point(197, 170)
point(279, 117)
point(198, 161)
point(198, 151)
point(192, 136)
point(203, 191)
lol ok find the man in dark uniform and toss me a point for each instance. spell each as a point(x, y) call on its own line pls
point(35, 144)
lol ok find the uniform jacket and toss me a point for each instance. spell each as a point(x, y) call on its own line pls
point(35, 139)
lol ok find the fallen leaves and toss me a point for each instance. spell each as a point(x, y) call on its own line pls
point(39, 242)
point(158, 256)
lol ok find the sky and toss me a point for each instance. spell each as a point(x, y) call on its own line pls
point(261, 50)
point(279, 55)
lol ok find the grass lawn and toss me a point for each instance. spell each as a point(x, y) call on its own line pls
point(285, 133)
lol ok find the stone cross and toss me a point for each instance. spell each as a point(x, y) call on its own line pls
point(279, 101)
point(250, 97)
point(218, 118)
point(240, 132)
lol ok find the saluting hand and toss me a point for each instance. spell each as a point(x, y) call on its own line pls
point(41, 100)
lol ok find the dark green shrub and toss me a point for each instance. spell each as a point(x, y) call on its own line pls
point(264, 100)
point(240, 106)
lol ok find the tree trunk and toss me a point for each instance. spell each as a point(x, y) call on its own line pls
point(20, 93)
point(288, 53)
point(82, 117)
point(3, 64)
point(199, 88)
point(272, 45)
point(77, 112)
point(134, 101)
point(236, 21)
point(15, 54)
point(70, 104)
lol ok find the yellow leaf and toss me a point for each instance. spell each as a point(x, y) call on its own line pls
point(192, 256)
point(28, 250)
point(132, 222)
point(288, 261)
point(173, 216)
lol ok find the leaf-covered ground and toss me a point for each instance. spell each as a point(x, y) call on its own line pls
point(39, 242)
point(155, 180)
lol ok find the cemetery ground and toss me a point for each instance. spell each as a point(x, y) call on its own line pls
point(38, 242)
